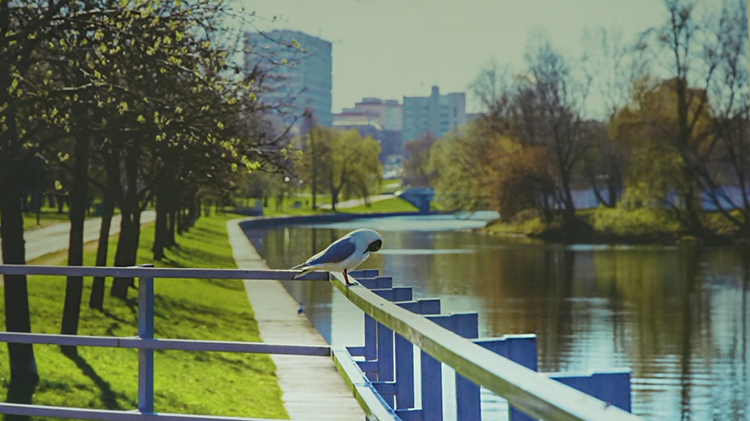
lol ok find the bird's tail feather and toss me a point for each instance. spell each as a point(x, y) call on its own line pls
point(303, 272)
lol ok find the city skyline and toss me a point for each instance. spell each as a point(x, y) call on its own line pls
point(389, 49)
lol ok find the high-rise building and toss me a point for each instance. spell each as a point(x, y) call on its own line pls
point(300, 72)
point(436, 114)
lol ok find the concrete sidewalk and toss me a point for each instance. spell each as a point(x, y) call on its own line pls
point(56, 237)
point(313, 388)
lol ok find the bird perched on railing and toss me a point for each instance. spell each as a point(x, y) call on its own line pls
point(344, 254)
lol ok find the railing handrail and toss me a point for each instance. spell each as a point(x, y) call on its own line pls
point(525, 389)
point(140, 272)
point(135, 342)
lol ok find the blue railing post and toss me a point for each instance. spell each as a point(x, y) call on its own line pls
point(146, 356)
point(387, 358)
point(432, 388)
point(611, 386)
point(468, 399)
point(405, 358)
point(371, 338)
point(521, 349)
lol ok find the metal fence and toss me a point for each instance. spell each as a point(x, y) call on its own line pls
point(381, 374)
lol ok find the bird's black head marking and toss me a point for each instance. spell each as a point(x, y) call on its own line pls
point(374, 246)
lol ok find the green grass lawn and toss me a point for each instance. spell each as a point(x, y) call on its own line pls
point(391, 186)
point(288, 206)
point(395, 204)
point(209, 383)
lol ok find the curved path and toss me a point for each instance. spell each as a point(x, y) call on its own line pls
point(313, 388)
point(55, 237)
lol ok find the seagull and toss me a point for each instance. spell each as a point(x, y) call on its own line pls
point(344, 254)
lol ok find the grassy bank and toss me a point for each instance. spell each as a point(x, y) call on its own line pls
point(394, 204)
point(617, 225)
point(209, 383)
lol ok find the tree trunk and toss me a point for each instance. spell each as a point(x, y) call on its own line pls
point(569, 209)
point(127, 244)
point(171, 240)
point(24, 376)
point(160, 226)
point(23, 372)
point(78, 206)
point(112, 191)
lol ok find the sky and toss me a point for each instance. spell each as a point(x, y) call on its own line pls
point(395, 48)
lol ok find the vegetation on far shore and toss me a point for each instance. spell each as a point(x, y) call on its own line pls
point(616, 225)
point(209, 383)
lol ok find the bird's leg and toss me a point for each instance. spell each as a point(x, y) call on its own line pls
point(346, 277)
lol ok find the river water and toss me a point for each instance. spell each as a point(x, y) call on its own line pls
point(677, 316)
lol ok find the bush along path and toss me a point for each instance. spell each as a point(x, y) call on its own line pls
point(210, 383)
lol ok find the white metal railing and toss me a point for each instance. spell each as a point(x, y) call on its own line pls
point(534, 393)
point(145, 341)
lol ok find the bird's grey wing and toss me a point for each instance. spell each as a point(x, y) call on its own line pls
point(336, 252)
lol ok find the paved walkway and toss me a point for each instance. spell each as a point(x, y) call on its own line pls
point(313, 388)
point(56, 237)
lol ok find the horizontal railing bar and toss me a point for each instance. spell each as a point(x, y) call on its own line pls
point(524, 389)
point(166, 344)
point(105, 414)
point(144, 272)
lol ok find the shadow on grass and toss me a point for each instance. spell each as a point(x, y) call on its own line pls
point(107, 395)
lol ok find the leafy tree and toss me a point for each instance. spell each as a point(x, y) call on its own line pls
point(346, 163)
point(416, 173)
point(460, 160)
point(144, 90)
point(541, 108)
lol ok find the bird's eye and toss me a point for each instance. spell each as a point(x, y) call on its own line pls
point(375, 245)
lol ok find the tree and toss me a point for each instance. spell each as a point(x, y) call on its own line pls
point(680, 38)
point(612, 67)
point(727, 178)
point(416, 173)
point(460, 161)
point(345, 162)
point(555, 108)
point(23, 28)
point(541, 108)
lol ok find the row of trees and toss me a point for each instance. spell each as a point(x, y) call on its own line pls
point(672, 132)
point(338, 163)
point(139, 102)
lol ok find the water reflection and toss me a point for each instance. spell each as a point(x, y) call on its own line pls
point(678, 316)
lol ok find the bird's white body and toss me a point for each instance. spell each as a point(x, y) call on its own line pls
point(344, 254)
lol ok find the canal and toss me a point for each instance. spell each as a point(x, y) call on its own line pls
point(677, 315)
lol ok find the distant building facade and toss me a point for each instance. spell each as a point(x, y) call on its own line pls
point(300, 77)
point(380, 119)
point(436, 114)
point(388, 114)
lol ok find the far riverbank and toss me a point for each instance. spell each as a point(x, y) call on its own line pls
point(619, 226)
